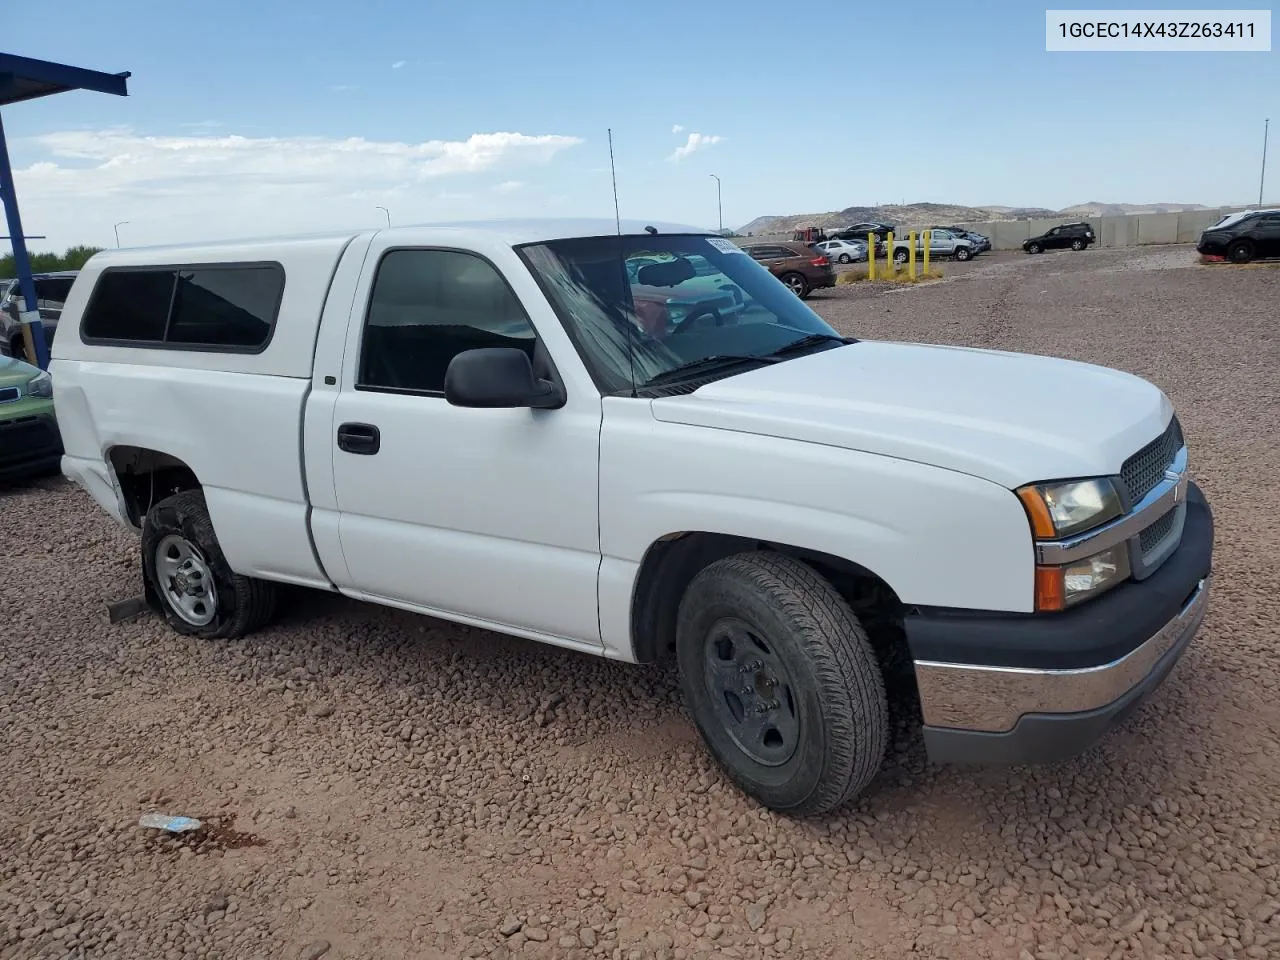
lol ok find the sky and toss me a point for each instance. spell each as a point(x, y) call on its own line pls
point(250, 119)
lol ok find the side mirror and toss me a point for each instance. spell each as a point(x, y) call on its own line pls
point(498, 377)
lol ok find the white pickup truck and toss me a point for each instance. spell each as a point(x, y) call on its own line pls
point(480, 423)
point(942, 243)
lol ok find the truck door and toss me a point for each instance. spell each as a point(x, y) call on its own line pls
point(488, 515)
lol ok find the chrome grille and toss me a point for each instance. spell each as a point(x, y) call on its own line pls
point(1142, 471)
point(1152, 536)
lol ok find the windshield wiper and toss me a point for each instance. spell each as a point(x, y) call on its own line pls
point(716, 360)
point(808, 341)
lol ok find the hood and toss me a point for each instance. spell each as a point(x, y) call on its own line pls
point(1007, 417)
point(15, 372)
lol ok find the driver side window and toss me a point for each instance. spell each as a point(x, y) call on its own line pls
point(426, 307)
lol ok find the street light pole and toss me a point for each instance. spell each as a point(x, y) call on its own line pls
point(1266, 130)
point(388, 213)
point(719, 208)
point(116, 228)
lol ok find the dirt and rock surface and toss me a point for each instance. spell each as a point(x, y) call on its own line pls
point(379, 785)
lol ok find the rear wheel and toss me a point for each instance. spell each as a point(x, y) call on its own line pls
point(1077, 244)
point(797, 283)
point(183, 564)
point(900, 256)
point(1241, 251)
point(845, 258)
point(782, 682)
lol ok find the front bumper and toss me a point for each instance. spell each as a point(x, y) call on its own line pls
point(1025, 688)
point(30, 444)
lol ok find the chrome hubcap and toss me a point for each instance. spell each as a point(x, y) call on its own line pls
point(186, 581)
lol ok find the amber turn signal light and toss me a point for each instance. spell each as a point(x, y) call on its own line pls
point(1051, 591)
point(1038, 512)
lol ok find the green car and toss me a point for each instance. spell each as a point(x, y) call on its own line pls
point(30, 443)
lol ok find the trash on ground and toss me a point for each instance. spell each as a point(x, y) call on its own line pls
point(159, 821)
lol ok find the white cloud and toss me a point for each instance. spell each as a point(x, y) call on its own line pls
point(696, 141)
point(398, 64)
point(176, 188)
point(508, 186)
point(678, 128)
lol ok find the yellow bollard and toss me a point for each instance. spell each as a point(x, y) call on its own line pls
point(871, 256)
point(888, 253)
point(911, 254)
point(927, 236)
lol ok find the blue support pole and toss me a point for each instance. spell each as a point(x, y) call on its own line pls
point(20, 259)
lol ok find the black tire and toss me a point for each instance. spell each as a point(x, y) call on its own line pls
point(798, 284)
point(845, 258)
point(777, 616)
point(240, 604)
point(963, 254)
point(1034, 248)
point(1241, 251)
point(1078, 244)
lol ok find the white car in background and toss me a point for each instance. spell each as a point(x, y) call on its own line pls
point(843, 251)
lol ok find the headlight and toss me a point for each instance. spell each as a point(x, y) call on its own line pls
point(41, 386)
point(1060, 587)
point(1061, 509)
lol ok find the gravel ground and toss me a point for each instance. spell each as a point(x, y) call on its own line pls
point(378, 785)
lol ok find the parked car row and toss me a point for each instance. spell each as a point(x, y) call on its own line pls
point(945, 241)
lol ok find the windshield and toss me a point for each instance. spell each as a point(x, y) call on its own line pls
point(655, 304)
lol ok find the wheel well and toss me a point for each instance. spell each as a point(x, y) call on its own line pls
point(673, 561)
point(147, 477)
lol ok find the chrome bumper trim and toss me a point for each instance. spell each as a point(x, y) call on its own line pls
point(1162, 498)
point(992, 699)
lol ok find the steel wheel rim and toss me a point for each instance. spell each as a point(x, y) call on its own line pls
point(751, 693)
point(186, 580)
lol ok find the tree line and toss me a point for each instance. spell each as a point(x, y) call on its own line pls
point(73, 259)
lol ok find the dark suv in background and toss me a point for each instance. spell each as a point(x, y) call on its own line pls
point(1077, 236)
point(798, 265)
point(1244, 236)
point(52, 290)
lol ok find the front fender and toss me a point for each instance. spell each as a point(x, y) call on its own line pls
point(936, 536)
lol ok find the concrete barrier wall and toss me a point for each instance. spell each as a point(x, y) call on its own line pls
point(1123, 231)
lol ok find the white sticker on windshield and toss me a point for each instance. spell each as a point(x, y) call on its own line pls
point(725, 246)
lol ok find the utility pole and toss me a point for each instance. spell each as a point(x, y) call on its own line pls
point(116, 228)
point(1266, 130)
point(388, 213)
point(719, 207)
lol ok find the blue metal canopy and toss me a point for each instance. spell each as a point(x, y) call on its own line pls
point(24, 78)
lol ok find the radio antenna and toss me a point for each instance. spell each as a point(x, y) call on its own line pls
point(613, 172)
point(622, 269)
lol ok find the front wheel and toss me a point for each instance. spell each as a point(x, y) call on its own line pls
point(964, 253)
point(797, 284)
point(197, 590)
point(782, 682)
point(1033, 248)
point(1240, 252)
